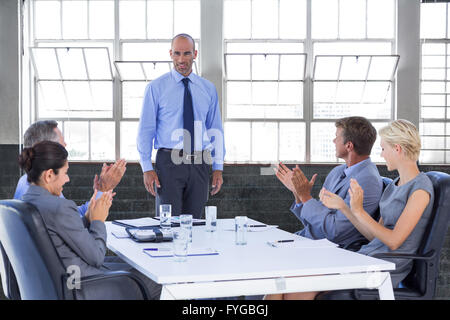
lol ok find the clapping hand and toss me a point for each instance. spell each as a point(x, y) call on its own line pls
point(284, 174)
point(331, 200)
point(99, 208)
point(356, 196)
point(110, 175)
point(302, 185)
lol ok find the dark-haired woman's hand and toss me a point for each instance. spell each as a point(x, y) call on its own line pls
point(99, 209)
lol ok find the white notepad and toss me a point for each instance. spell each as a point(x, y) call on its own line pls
point(165, 252)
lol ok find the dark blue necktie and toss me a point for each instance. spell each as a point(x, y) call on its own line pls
point(188, 118)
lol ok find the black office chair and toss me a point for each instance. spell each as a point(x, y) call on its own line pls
point(9, 282)
point(357, 244)
point(421, 281)
point(38, 268)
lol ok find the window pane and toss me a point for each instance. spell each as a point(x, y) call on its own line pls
point(352, 19)
point(433, 49)
point(72, 63)
point(327, 68)
point(264, 19)
point(89, 99)
point(238, 67)
point(264, 141)
point(428, 156)
point(380, 18)
point(130, 71)
point(160, 19)
point(74, 19)
point(433, 20)
point(51, 99)
point(236, 19)
point(322, 146)
point(432, 87)
point(432, 113)
point(354, 68)
point(155, 70)
point(291, 93)
point(146, 51)
point(101, 19)
point(376, 92)
point(237, 141)
point(292, 19)
point(132, 97)
point(265, 92)
point(324, 16)
point(76, 135)
point(132, 19)
point(98, 63)
point(47, 20)
point(187, 17)
point(264, 47)
point(433, 100)
point(239, 93)
point(292, 141)
point(45, 63)
point(128, 134)
point(352, 48)
point(103, 140)
point(432, 128)
point(433, 142)
point(382, 68)
point(265, 67)
point(292, 67)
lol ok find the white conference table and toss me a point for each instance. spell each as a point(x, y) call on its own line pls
point(253, 269)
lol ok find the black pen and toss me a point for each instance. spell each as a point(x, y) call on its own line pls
point(257, 225)
point(280, 241)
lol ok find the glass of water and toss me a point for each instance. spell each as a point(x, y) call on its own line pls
point(211, 218)
point(240, 223)
point(180, 245)
point(165, 214)
point(186, 224)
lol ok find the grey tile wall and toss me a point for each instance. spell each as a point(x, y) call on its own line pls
point(245, 192)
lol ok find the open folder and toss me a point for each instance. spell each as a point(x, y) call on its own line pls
point(168, 252)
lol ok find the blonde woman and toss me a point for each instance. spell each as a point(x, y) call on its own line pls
point(405, 205)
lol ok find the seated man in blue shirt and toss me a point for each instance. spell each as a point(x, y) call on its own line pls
point(355, 137)
point(110, 176)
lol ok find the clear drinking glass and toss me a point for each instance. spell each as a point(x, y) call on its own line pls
point(180, 245)
point(211, 218)
point(165, 214)
point(186, 224)
point(241, 230)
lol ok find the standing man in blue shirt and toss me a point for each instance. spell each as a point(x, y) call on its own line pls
point(181, 118)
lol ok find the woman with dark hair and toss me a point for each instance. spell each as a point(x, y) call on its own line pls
point(79, 242)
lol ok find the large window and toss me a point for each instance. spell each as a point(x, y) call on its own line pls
point(290, 69)
point(91, 61)
point(293, 67)
point(435, 83)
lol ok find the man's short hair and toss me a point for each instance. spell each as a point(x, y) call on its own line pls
point(183, 35)
point(40, 131)
point(360, 132)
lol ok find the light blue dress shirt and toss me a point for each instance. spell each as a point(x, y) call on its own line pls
point(161, 122)
point(23, 185)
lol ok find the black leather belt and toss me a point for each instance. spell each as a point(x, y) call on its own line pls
point(197, 156)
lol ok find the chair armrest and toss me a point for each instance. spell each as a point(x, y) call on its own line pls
point(113, 275)
point(428, 256)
